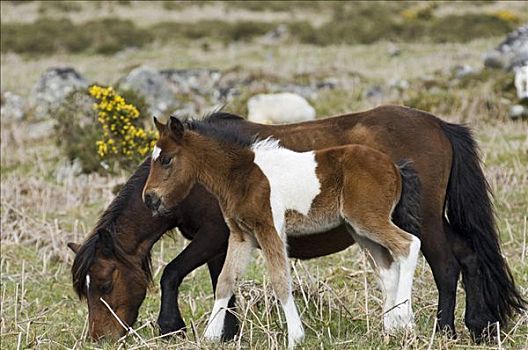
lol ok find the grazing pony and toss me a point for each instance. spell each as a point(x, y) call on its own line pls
point(266, 191)
point(458, 232)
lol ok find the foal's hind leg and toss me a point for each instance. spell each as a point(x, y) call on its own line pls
point(238, 256)
point(388, 272)
point(404, 249)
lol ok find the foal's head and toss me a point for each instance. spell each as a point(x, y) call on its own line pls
point(104, 273)
point(172, 172)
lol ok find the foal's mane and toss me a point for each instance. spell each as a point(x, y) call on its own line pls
point(106, 225)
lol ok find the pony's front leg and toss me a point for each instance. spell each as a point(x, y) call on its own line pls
point(274, 249)
point(238, 255)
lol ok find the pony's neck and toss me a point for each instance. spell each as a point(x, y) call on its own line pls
point(222, 168)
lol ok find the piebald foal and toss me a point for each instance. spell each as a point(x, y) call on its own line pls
point(265, 190)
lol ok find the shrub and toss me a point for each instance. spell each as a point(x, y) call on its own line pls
point(45, 36)
point(52, 7)
point(123, 140)
point(77, 130)
point(102, 129)
point(110, 35)
point(215, 30)
point(463, 28)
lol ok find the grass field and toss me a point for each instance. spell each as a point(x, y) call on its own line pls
point(336, 295)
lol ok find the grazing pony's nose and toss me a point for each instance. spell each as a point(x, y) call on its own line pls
point(152, 201)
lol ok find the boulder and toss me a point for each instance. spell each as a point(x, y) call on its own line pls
point(511, 52)
point(279, 108)
point(40, 130)
point(518, 112)
point(13, 107)
point(187, 81)
point(521, 82)
point(153, 86)
point(52, 88)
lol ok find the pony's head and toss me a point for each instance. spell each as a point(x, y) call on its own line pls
point(109, 278)
point(172, 171)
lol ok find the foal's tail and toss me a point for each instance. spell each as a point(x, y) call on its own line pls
point(470, 214)
point(406, 214)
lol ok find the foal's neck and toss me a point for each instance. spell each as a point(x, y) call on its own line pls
point(222, 168)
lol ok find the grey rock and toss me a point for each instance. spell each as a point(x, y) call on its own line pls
point(374, 93)
point(521, 82)
point(393, 50)
point(399, 84)
point(153, 86)
point(511, 52)
point(13, 107)
point(40, 129)
point(52, 88)
point(518, 112)
point(461, 71)
point(280, 33)
point(187, 81)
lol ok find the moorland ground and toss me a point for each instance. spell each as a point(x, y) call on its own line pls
point(336, 295)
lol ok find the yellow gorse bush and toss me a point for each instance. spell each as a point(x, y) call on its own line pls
point(122, 137)
point(508, 16)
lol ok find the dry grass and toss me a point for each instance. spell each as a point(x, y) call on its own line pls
point(336, 295)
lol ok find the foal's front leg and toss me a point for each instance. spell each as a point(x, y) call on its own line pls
point(274, 249)
point(238, 256)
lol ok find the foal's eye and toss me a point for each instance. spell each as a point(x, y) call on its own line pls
point(165, 161)
point(106, 288)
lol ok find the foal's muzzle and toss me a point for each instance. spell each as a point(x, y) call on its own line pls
point(152, 201)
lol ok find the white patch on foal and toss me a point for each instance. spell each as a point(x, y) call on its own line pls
point(156, 153)
point(293, 185)
point(291, 176)
point(216, 320)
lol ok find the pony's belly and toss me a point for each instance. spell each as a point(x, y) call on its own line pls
point(297, 224)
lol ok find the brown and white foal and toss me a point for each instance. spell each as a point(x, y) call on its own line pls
point(266, 191)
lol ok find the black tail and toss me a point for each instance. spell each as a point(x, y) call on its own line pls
point(406, 215)
point(470, 214)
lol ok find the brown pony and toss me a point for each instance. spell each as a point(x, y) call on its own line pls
point(266, 191)
point(116, 255)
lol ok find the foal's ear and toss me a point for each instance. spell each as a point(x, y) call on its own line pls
point(158, 125)
point(106, 242)
point(176, 128)
point(74, 247)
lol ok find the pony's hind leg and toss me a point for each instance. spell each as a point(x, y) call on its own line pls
point(274, 249)
point(388, 272)
point(238, 256)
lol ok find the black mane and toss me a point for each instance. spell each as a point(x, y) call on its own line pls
point(219, 126)
point(106, 224)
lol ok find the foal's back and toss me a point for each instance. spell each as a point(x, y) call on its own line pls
point(307, 189)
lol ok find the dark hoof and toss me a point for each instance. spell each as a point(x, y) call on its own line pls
point(484, 334)
point(172, 328)
point(447, 331)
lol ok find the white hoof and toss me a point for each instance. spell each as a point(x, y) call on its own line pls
point(399, 318)
point(295, 336)
point(214, 329)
